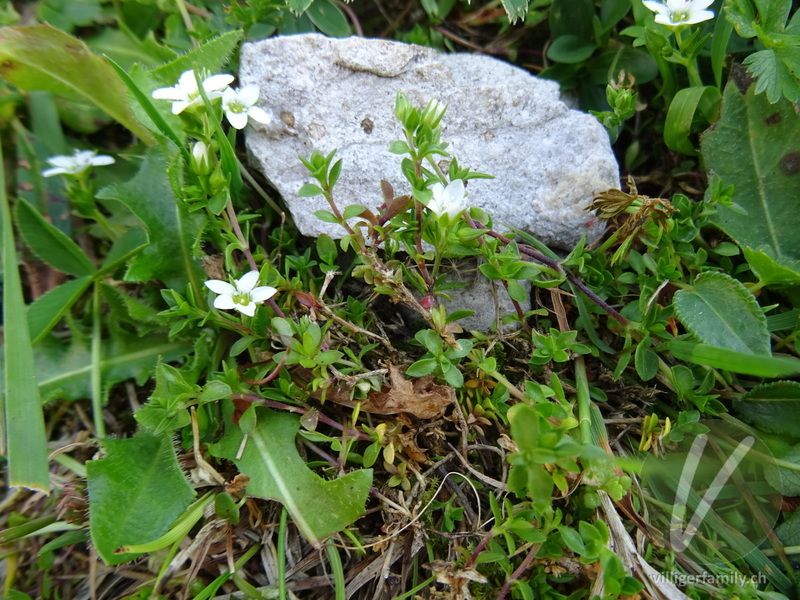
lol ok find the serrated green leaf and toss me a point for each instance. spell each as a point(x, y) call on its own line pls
point(516, 9)
point(754, 148)
point(50, 243)
point(773, 407)
point(777, 71)
point(212, 56)
point(126, 247)
point(135, 493)
point(41, 57)
point(721, 312)
point(172, 230)
point(318, 507)
point(46, 311)
point(789, 531)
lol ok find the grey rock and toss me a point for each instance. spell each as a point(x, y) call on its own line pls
point(325, 94)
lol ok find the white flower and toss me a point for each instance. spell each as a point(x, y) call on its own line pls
point(680, 12)
point(243, 295)
point(187, 94)
point(77, 163)
point(450, 200)
point(241, 104)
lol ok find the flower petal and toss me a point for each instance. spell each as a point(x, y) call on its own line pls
point(53, 171)
point(265, 292)
point(102, 160)
point(248, 95)
point(217, 83)
point(257, 114)
point(220, 287)
point(247, 282)
point(168, 93)
point(247, 309)
point(224, 302)
point(179, 106)
point(237, 120)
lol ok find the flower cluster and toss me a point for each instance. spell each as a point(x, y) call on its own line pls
point(674, 13)
point(238, 105)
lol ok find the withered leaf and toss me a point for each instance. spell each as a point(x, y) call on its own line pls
point(420, 396)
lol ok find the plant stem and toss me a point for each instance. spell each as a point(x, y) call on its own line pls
point(584, 402)
point(97, 365)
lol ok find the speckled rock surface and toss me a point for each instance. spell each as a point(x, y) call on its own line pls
point(324, 94)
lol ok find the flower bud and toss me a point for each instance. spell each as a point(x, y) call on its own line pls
point(201, 159)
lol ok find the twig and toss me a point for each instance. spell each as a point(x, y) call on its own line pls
point(520, 570)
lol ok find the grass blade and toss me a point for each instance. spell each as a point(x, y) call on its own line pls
point(24, 439)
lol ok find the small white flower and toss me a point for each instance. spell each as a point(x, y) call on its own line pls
point(239, 105)
point(243, 295)
point(80, 161)
point(187, 94)
point(450, 200)
point(680, 12)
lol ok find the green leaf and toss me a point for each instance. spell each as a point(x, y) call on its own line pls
point(135, 493)
point(43, 58)
point(738, 362)
point(49, 243)
point(64, 371)
point(212, 56)
point(327, 17)
point(646, 362)
point(353, 211)
point(298, 7)
point(47, 310)
point(777, 71)
point(681, 115)
point(771, 271)
point(23, 433)
point(754, 148)
point(171, 228)
point(570, 49)
point(125, 248)
point(318, 507)
point(773, 407)
point(784, 478)
point(721, 312)
point(516, 9)
point(309, 190)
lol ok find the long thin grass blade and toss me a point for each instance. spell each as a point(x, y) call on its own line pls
point(25, 444)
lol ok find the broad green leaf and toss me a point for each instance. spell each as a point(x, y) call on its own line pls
point(64, 371)
point(328, 18)
point(771, 271)
point(721, 312)
point(738, 362)
point(786, 477)
point(23, 433)
point(46, 311)
point(570, 49)
point(171, 228)
point(50, 243)
point(789, 531)
point(773, 407)
point(298, 7)
point(317, 506)
point(135, 493)
point(754, 148)
point(126, 49)
point(43, 58)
